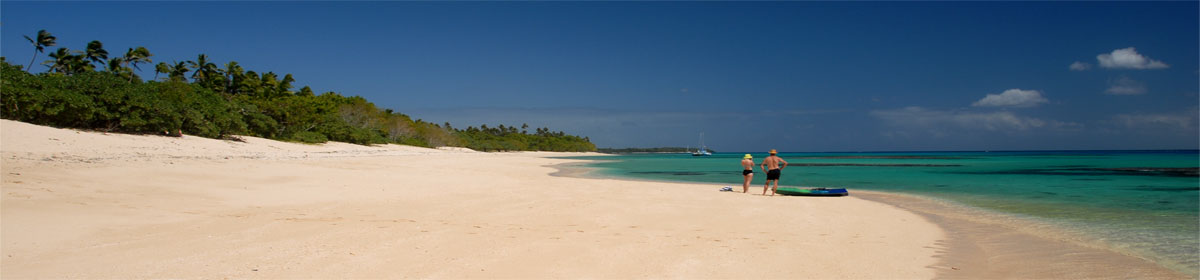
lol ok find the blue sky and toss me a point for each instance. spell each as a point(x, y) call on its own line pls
point(751, 76)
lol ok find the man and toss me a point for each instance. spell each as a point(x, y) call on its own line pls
point(747, 172)
point(774, 163)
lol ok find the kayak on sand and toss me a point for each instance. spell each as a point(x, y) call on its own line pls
point(812, 191)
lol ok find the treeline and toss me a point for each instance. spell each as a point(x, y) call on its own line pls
point(88, 89)
point(502, 138)
point(648, 150)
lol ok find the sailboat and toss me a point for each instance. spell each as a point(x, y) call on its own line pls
point(702, 150)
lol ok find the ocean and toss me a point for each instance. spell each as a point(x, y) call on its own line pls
point(1141, 203)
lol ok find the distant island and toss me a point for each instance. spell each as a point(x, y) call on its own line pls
point(659, 150)
point(93, 89)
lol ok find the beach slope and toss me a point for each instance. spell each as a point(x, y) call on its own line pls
point(78, 204)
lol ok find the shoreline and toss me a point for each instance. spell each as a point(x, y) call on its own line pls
point(87, 205)
point(989, 245)
point(82, 204)
point(984, 244)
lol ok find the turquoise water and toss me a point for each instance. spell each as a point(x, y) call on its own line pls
point(1145, 203)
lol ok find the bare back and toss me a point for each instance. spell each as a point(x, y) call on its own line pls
point(773, 162)
point(748, 164)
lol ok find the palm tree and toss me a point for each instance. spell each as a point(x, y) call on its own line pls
point(179, 71)
point(268, 85)
point(44, 39)
point(307, 92)
point(116, 66)
point(249, 83)
point(234, 76)
point(162, 67)
point(135, 56)
point(60, 62)
point(204, 69)
point(80, 63)
point(96, 52)
point(68, 62)
point(285, 85)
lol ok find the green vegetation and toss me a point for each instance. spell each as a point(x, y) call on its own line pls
point(648, 150)
point(87, 89)
point(503, 138)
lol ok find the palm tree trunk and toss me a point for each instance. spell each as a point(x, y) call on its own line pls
point(31, 61)
point(131, 74)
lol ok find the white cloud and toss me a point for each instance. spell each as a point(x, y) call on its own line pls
point(1183, 120)
point(917, 117)
point(1128, 58)
point(1012, 98)
point(1080, 66)
point(1125, 86)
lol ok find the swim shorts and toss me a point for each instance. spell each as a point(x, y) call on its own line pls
point(744, 172)
point(773, 174)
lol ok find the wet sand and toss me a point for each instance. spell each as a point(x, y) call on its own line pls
point(990, 246)
point(983, 245)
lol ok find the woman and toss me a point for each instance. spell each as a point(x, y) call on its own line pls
point(747, 172)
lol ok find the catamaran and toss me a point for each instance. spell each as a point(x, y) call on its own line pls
point(702, 150)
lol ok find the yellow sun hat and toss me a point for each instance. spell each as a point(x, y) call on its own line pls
point(772, 151)
point(747, 156)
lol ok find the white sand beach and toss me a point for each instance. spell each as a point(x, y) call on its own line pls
point(78, 204)
point(81, 204)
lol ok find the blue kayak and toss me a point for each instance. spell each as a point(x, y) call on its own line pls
point(812, 191)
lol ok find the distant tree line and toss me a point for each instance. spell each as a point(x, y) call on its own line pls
point(508, 138)
point(649, 150)
point(92, 90)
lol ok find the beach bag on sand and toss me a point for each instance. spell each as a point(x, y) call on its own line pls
point(727, 189)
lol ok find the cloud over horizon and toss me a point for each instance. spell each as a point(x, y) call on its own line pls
point(1079, 66)
point(1012, 98)
point(1125, 86)
point(921, 118)
point(1185, 120)
point(1128, 58)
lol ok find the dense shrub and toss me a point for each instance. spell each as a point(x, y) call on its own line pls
point(246, 104)
point(309, 137)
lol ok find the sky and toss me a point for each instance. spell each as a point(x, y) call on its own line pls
point(749, 76)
